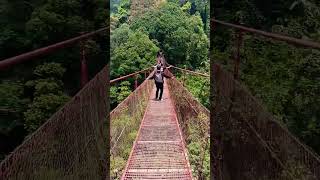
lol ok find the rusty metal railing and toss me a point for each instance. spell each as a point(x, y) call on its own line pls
point(194, 122)
point(242, 30)
point(71, 144)
point(190, 72)
point(247, 142)
point(125, 120)
point(8, 63)
point(134, 75)
point(290, 40)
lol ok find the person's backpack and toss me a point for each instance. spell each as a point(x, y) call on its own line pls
point(158, 77)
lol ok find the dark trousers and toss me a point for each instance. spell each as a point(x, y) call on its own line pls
point(159, 87)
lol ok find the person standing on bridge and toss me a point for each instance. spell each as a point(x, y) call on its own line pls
point(160, 59)
point(158, 79)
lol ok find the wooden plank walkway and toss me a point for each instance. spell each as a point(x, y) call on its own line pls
point(158, 151)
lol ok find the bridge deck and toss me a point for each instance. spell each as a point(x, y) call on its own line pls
point(159, 151)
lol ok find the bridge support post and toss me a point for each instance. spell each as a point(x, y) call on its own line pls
point(84, 67)
point(135, 81)
point(239, 39)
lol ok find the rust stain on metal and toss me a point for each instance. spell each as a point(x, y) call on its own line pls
point(6, 63)
point(289, 40)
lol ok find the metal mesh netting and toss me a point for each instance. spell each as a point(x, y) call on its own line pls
point(70, 145)
point(194, 122)
point(125, 120)
point(249, 142)
point(187, 107)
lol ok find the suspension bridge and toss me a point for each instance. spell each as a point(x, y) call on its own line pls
point(246, 141)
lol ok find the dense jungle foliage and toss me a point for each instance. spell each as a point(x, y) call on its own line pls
point(286, 78)
point(178, 28)
point(33, 91)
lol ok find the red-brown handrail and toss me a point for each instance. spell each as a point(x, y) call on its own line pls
point(6, 63)
point(279, 37)
point(239, 40)
point(191, 72)
point(130, 75)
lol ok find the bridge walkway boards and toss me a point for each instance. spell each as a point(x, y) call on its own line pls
point(158, 151)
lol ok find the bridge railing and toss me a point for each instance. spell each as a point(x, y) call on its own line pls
point(194, 123)
point(125, 121)
point(42, 53)
point(249, 142)
point(71, 144)
point(240, 31)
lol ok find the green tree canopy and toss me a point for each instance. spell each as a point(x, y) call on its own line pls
point(179, 34)
point(131, 51)
point(48, 94)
